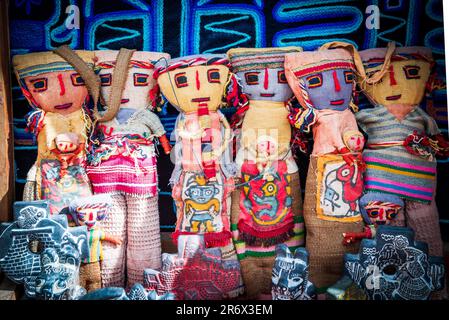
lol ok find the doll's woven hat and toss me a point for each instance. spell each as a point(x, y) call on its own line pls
point(32, 64)
point(246, 59)
point(190, 61)
point(373, 57)
point(108, 58)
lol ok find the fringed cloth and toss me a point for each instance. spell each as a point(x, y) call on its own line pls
point(124, 163)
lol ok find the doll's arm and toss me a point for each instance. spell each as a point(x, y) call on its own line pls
point(437, 140)
point(112, 239)
point(154, 123)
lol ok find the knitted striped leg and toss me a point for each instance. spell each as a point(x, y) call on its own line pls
point(113, 264)
point(144, 238)
point(424, 220)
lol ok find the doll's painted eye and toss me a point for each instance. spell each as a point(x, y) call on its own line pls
point(252, 78)
point(140, 79)
point(77, 80)
point(281, 77)
point(373, 213)
point(315, 81)
point(106, 79)
point(181, 80)
point(349, 77)
point(391, 214)
point(412, 72)
point(39, 85)
point(213, 76)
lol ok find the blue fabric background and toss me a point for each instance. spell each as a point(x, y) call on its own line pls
point(208, 26)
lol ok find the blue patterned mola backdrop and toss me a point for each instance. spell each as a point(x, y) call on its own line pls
point(208, 26)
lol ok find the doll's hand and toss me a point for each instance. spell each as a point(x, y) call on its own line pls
point(440, 145)
point(165, 144)
point(114, 240)
point(67, 142)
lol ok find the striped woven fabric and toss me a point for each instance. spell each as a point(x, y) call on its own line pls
point(243, 250)
point(36, 63)
point(244, 59)
point(393, 170)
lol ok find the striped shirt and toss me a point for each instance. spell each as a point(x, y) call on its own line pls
point(392, 169)
point(95, 247)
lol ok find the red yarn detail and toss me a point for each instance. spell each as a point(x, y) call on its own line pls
point(211, 239)
point(245, 228)
point(393, 81)
point(336, 82)
point(265, 81)
point(198, 84)
point(61, 84)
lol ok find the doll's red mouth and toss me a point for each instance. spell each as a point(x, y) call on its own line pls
point(124, 101)
point(63, 106)
point(206, 99)
point(394, 98)
point(267, 95)
point(337, 102)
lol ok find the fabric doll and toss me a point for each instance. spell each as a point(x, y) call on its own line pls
point(90, 212)
point(267, 207)
point(376, 213)
point(403, 140)
point(60, 120)
point(324, 82)
point(123, 163)
point(203, 177)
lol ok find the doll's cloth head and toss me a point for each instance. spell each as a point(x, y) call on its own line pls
point(380, 208)
point(191, 82)
point(50, 83)
point(261, 72)
point(322, 79)
point(406, 78)
point(354, 140)
point(140, 83)
point(88, 210)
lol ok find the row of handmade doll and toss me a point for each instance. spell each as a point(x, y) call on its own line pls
point(247, 204)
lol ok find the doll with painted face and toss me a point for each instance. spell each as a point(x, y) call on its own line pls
point(60, 120)
point(204, 172)
point(123, 163)
point(403, 140)
point(267, 208)
point(376, 213)
point(324, 82)
point(89, 212)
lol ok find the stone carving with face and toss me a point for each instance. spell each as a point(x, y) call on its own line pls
point(42, 252)
point(59, 119)
point(290, 280)
point(394, 266)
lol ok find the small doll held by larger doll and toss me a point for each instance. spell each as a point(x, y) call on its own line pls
point(89, 212)
point(266, 209)
point(60, 120)
point(123, 163)
point(324, 82)
point(403, 140)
